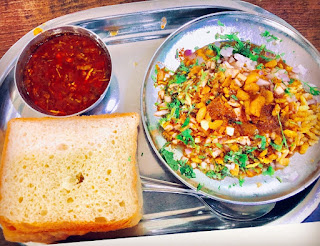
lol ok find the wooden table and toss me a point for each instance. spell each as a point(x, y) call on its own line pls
point(17, 17)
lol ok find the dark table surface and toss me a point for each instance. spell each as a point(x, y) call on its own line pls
point(17, 17)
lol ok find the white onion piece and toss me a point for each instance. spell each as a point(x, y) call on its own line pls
point(312, 101)
point(279, 90)
point(230, 166)
point(188, 151)
point(270, 76)
point(292, 98)
point(231, 59)
point(161, 112)
point(299, 69)
point(240, 58)
point(262, 82)
point(226, 52)
point(227, 64)
point(284, 77)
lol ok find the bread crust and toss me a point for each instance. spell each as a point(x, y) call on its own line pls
point(49, 232)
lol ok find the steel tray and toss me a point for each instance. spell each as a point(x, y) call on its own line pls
point(133, 32)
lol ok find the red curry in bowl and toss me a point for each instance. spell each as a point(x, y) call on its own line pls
point(65, 74)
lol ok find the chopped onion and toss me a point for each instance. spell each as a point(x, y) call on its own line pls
point(299, 69)
point(226, 52)
point(187, 52)
point(262, 82)
point(215, 152)
point(312, 101)
point(188, 151)
point(230, 131)
point(167, 99)
point(230, 166)
point(227, 64)
point(161, 112)
point(279, 90)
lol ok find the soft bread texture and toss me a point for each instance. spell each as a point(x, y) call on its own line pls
point(69, 176)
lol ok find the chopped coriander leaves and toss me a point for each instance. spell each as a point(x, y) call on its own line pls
point(168, 156)
point(277, 147)
point(263, 141)
point(260, 66)
point(234, 97)
point(219, 145)
point(241, 181)
point(238, 122)
point(177, 54)
point(199, 187)
point(312, 89)
point(291, 81)
point(266, 58)
point(236, 157)
point(185, 137)
point(284, 140)
point(129, 159)
point(186, 122)
point(279, 179)
point(269, 171)
point(187, 171)
point(269, 36)
point(287, 91)
point(179, 78)
point(220, 23)
point(216, 49)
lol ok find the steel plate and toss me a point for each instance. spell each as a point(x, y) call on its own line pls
point(303, 169)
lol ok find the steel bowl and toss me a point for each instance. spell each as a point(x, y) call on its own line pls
point(37, 41)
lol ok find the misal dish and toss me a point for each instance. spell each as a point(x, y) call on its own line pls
point(235, 109)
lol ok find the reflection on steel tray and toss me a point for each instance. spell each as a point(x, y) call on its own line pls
point(133, 33)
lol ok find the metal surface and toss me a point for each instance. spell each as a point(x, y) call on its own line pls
point(131, 49)
point(305, 168)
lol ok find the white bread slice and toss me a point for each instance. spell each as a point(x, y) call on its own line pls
point(69, 176)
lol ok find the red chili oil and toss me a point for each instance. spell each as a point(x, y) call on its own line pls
point(66, 74)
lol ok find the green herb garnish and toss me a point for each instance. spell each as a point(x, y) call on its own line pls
point(186, 122)
point(234, 97)
point(277, 147)
point(187, 171)
point(312, 89)
point(284, 140)
point(269, 171)
point(219, 145)
point(263, 141)
point(220, 23)
point(199, 187)
point(168, 156)
point(241, 181)
point(185, 137)
point(260, 66)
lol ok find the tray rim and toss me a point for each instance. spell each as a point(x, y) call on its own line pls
point(304, 208)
